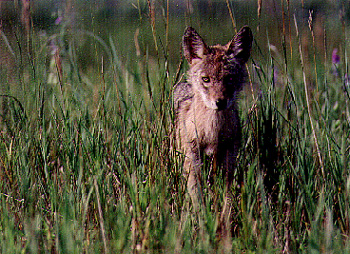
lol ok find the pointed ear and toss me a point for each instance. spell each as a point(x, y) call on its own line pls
point(241, 45)
point(193, 45)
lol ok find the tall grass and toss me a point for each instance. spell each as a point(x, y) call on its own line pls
point(86, 163)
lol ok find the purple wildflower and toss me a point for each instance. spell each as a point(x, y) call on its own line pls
point(335, 56)
point(58, 20)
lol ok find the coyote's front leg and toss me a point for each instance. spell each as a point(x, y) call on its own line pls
point(192, 164)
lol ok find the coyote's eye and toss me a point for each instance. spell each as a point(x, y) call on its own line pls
point(206, 79)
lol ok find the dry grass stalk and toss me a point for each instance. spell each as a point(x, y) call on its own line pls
point(152, 15)
point(308, 100)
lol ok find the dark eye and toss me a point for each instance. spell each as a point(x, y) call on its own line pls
point(206, 79)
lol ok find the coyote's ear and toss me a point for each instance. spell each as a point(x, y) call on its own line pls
point(241, 45)
point(193, 45)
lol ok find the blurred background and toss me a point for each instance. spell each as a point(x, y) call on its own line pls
point(155, 27)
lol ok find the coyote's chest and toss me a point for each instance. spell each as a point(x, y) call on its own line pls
point(205, 126)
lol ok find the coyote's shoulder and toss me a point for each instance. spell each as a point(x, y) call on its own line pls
point(207, 119)
point(182, 93)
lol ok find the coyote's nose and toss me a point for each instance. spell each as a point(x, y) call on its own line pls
point(221, 104)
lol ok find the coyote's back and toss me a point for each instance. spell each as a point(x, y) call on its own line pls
point(207, 119)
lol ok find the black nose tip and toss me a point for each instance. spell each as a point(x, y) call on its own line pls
point(221, 104)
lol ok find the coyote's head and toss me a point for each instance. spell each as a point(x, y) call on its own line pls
point(217, 73)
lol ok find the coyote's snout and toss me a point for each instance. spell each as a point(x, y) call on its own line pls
point(207, 119)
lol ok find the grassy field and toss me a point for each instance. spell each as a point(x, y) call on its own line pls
point(86, 164)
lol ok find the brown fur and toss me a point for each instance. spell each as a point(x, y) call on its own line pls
point(207, 119)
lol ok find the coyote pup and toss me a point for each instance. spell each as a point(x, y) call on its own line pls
point(207, 119)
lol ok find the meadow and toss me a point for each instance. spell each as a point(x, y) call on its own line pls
point(86, 120)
